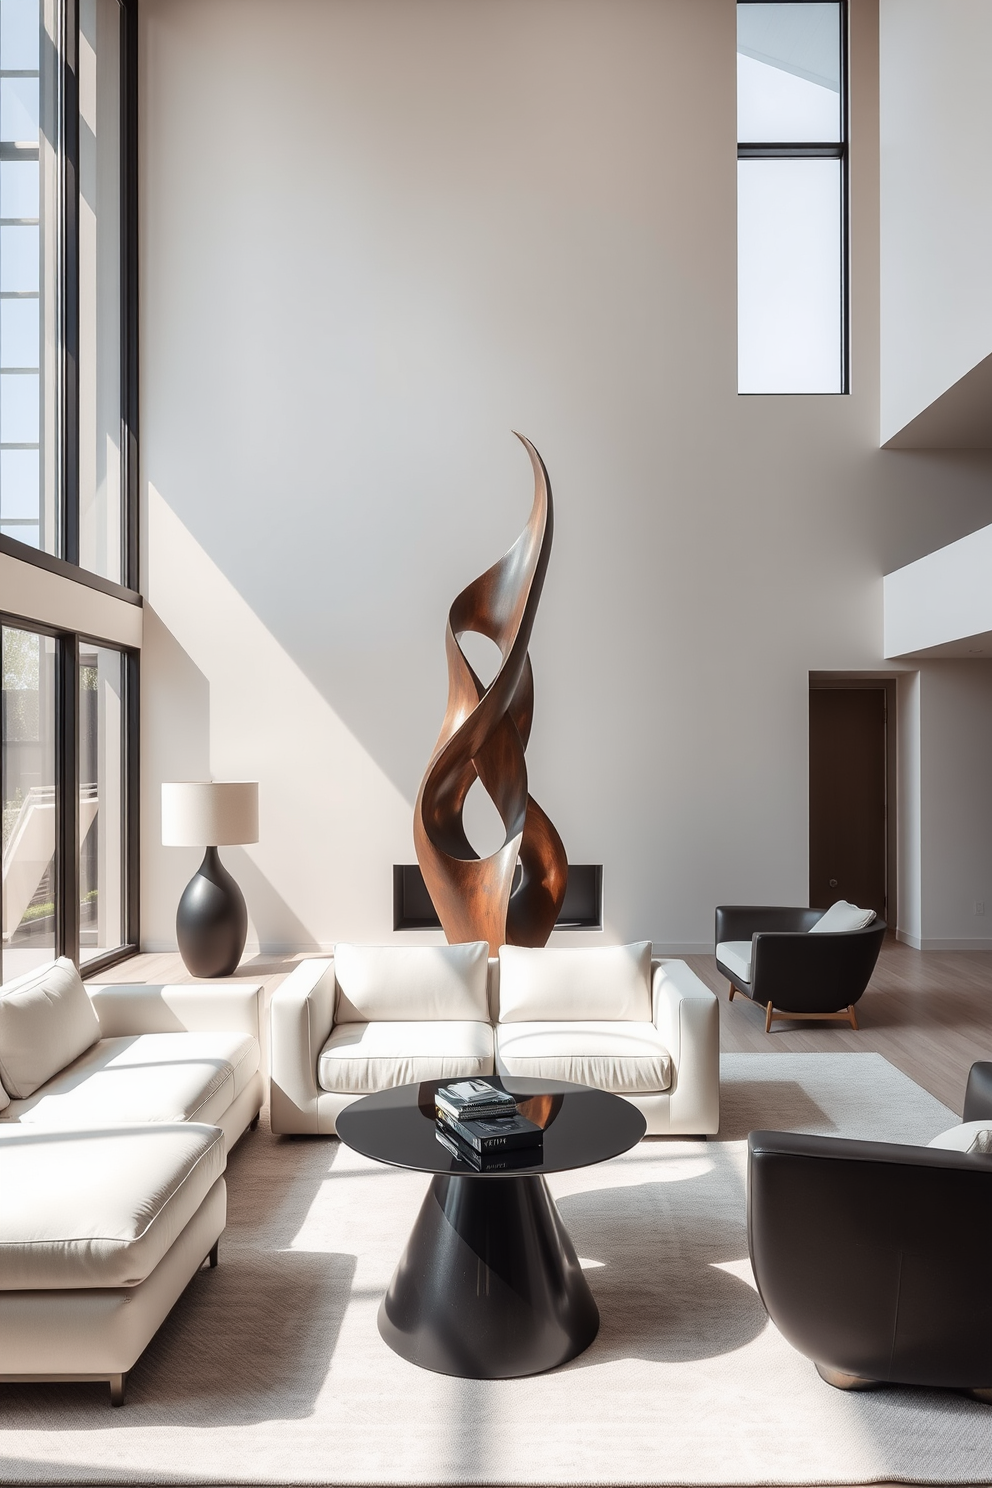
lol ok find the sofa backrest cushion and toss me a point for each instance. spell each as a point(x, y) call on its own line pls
point(580, 985)
point(46, 1021)
point(394, 984)
point(842, 917)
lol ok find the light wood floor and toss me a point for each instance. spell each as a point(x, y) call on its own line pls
point(928, 1012)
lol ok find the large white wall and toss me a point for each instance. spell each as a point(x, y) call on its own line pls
point(376, 236)
point(936, 207)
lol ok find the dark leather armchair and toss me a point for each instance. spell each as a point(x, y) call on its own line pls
point(872, 1259)
point(791, 973)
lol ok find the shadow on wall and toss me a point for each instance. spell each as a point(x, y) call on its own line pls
point(271, 921)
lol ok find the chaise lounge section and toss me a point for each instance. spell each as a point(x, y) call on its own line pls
point(118, 1106)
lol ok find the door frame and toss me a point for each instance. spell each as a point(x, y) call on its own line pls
point(870, 681)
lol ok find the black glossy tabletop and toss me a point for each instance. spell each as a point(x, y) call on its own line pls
point(581, 1126)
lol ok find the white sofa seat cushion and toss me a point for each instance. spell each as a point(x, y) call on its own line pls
point(361, 1057)
point(583, 983)
point(736, 956)
point(147, 1077)
point(99, 1208)
point(627, 1058)
point(389, 984)
point(46, 1020)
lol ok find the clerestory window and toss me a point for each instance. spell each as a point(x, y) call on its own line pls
point(791, 197)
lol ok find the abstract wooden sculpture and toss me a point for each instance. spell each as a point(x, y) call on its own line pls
point(484, 735)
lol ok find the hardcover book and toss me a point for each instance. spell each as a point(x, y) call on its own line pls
point(495, 1133)
point(486, 1162)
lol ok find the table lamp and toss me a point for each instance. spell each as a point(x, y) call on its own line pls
point(212, 919)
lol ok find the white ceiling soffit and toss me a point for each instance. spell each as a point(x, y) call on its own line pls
point(801, 39)
point(961, 418)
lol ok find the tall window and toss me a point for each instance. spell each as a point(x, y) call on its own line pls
point(791, 197)
point(67, 393)
point(67, 781)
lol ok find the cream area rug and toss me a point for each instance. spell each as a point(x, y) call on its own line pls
point(271, 1370)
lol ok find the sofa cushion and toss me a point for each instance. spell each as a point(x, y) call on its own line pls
point(842, 917)
point(4, 1098)
point(736, 957)
point(968, 1136)
point(46, 1020)
point(599, 982)
point(627, 1058)
point(146, 1077)
point(385, 984)
point(99, 1208)
point(361, 1057)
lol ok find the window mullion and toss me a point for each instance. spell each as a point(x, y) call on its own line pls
point(69, 273)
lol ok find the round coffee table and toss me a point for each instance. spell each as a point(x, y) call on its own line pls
point(489, 1286)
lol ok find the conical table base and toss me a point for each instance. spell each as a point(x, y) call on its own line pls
point(489, 1285)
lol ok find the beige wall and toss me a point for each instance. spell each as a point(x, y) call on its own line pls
point(377, 235)
point(936, 141)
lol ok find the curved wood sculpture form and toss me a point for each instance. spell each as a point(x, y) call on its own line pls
point(484, 735)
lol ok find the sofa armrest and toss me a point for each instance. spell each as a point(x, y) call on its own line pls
point(200, 1007)
point(687, 1015)
point(301, 1017)
point(740, 921)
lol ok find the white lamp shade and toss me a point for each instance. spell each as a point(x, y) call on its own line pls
point(209, 813)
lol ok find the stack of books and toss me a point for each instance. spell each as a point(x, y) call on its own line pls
point(480, 1124)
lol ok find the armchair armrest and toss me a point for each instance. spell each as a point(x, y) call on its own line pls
point(687, 1015)
point(301, 1016)
point(978, 1096)
point(202, 1007)
point(740, 921)
point(814, 973)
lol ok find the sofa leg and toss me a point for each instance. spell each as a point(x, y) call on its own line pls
point(117, 1388)
point(768, 1018)
point(980, 1393)
point(842, 1381)
point(253, 1125)
point(214, 1255)
point(853, 1017)
point(733, 989)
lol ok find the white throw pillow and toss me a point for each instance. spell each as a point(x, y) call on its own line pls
point(841, 917)
point(400, 984)
point(46, 1021)
point(969, 1136)
point(585, 984)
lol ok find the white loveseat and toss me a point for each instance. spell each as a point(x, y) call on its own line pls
point(610, 1016)
point(117, 1109)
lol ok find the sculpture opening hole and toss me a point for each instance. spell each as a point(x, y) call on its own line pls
point(482, 654)
point(483, 826)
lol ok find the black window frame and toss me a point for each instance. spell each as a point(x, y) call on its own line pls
point(820, 150)
point(66, 561)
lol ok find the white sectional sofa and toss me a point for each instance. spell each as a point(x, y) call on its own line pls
point(611, 1016)
point(118, 1106)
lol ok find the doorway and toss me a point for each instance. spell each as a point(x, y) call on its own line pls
point(848, 817)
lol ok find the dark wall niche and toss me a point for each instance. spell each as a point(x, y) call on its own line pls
point(582, 908)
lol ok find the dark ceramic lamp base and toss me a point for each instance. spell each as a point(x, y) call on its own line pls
point(212, 920)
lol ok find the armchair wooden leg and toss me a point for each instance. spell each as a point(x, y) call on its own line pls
point(768, 1018)
point(733, 989)
point(853, 1016)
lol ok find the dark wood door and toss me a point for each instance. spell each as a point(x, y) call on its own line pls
point(847, 796)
